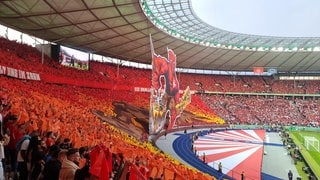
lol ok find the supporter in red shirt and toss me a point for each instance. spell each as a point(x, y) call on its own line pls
point(50, 139)
point(16, 133)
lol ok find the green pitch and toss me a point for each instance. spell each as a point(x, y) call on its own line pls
point(311, 156)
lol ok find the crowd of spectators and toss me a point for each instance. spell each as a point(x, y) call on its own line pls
point(55, 113)
point(50, 111)
point(20, 56)
point(267, 110)
point(42, 118)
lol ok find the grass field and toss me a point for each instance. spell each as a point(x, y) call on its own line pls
point(311, 156)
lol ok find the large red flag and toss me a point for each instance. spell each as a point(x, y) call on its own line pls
point(101, 162)
point(135, 173)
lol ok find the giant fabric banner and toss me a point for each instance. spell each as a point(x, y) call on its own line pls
point(166, 105)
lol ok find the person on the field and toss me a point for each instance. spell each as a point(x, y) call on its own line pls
point(290, 175)
point(220, 167)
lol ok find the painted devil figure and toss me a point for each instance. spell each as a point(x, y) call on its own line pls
point(165, 102)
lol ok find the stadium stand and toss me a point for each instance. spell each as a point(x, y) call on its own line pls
point(64, 107)
point(63, 100)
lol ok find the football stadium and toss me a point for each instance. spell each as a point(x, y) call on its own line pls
point(146, 90)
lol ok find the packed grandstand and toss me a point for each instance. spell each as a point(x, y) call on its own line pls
point(103, 113)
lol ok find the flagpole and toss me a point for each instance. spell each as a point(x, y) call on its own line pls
point(151, 46)
point(152, 57)
point(151, 119)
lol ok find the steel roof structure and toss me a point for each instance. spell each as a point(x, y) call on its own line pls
point(121, 28)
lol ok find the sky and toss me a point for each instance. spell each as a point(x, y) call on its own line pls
point(282, 18)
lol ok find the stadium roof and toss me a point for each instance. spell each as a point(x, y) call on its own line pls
point(121, 28)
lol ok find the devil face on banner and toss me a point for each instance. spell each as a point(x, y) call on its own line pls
point(165, 105)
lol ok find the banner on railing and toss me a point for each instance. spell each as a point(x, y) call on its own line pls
point(18, 73)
